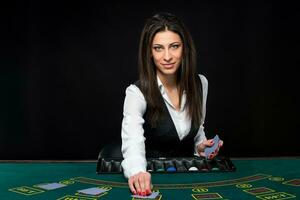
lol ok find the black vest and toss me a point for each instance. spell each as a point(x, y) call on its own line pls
point(163, 140)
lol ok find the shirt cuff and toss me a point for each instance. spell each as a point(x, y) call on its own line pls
point(133, 165)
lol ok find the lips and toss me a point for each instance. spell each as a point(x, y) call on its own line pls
point(168, 65)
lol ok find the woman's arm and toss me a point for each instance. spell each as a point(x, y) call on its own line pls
point(133, 142)
point(132, 133)
point(200, 137)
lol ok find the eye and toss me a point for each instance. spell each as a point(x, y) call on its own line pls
point(157, 48)
point(175, 46)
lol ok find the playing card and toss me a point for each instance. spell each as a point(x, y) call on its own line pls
point(50, 186)
point(210, 150)
point(92, 191)
point(153, 195)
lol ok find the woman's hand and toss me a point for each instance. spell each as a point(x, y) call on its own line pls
point(140, 183)
point(208, 143)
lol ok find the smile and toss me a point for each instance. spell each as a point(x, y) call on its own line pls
point(168, 65)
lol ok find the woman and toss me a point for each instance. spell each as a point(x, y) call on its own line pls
point(164, 110)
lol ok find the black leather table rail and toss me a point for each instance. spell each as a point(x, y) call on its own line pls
point(171, 165)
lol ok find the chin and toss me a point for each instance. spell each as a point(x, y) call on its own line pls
point(169, 71)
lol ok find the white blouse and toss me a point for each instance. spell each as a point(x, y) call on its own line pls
point(132, 133)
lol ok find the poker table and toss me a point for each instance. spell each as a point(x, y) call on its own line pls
point(254, 178)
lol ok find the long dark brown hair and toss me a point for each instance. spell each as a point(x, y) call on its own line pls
point(187, 77)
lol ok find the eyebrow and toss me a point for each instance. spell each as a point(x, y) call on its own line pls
point(168, 45)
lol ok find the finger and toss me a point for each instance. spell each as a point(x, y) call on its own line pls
point(147, 184)
point(216, 151)
point(204, 144)
point(142, 184)
point(209, 143)
point(137, 186)
point(211, 156)
point(221, 143)
point(130, 183)
point(219, 146)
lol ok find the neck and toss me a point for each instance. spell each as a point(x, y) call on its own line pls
point(169, 81)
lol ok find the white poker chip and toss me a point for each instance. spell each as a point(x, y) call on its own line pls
point(193, 169)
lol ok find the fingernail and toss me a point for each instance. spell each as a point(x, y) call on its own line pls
point(134, 192)
point(143, 193)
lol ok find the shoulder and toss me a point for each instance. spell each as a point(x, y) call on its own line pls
point(134, 102)
point(204, 81)
point(133, 90)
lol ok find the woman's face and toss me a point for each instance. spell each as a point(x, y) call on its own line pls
point(166, 51)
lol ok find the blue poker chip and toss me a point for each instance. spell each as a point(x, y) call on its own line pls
point(171, 169)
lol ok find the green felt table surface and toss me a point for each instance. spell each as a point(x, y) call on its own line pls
point(272, 178)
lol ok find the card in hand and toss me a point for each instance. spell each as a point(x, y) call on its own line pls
point(210, 150)
point(153, 195)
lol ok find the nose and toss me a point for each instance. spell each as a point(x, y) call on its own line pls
point(167, 56)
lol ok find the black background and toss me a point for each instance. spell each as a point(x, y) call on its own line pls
point(65, 67)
